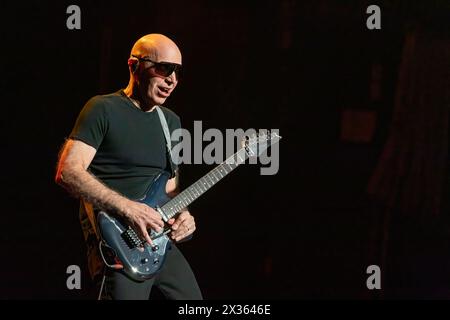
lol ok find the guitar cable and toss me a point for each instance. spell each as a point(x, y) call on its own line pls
point(113, 266)
point(104, 269)
point(102, 285)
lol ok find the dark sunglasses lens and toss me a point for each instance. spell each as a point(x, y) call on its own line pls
point(167, 69)
point(164, 70)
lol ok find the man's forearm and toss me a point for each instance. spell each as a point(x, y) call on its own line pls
point(83, 184)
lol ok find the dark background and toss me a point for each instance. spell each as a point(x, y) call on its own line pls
point(308, 232)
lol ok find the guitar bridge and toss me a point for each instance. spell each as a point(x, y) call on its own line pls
point(131, 238)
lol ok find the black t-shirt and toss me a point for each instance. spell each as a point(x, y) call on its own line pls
point(130, 143)
point(131, 151)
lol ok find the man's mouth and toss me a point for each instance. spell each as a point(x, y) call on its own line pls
point(164, 91)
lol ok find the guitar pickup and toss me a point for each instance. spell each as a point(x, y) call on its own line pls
point(131, 238)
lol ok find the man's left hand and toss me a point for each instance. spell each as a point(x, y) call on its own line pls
point(183, 226)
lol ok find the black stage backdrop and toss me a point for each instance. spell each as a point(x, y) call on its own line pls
point(363, 176)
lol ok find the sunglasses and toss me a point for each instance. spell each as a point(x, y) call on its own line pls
point(163, 69)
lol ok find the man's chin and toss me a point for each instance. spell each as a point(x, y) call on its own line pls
point(157, 101)
point(160, 102)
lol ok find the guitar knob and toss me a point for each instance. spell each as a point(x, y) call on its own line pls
point(155, 248)
point(156, 261)
point(144, 261)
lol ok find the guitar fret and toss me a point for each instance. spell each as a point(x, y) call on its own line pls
point(208, 176)
point(198, 189)
point(214, 175)
point(198, 186)
point(189, 194)
point(205, 183)
point(194, 191)
point(202, 187)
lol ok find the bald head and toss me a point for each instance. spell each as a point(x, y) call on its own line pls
point(154, 70)
point(158, 48)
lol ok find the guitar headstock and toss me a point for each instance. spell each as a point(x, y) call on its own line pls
point(255, 145)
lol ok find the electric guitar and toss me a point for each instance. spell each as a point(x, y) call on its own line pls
point(142, 261)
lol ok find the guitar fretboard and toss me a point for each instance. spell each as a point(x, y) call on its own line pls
point(189, 195)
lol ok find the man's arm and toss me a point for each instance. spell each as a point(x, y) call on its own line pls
point(72, 174)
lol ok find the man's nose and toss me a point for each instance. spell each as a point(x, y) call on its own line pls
point(171, 79)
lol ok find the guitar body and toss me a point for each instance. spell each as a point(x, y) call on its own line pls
point(117, 235)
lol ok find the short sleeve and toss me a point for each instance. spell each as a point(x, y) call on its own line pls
point(92, 123)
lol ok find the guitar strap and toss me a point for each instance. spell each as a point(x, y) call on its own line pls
point(165, 128)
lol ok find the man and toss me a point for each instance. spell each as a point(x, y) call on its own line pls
point(114, 151)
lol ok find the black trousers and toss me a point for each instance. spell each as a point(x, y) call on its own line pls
point(176, 281)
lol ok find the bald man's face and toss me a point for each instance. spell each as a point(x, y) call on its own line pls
point(154, 87)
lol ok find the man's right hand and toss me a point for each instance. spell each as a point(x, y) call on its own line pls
point(142, 217)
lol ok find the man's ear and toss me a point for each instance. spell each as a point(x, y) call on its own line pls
point(133, 64)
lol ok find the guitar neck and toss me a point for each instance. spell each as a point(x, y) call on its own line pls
point(189, 195)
